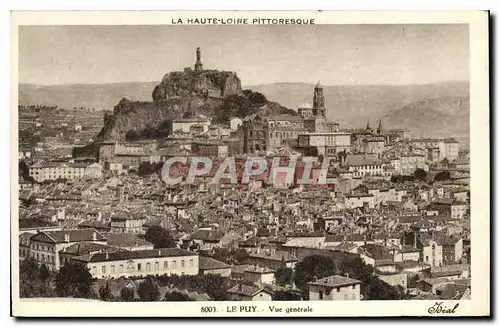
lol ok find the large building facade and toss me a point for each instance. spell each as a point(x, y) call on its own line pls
point(141, 263)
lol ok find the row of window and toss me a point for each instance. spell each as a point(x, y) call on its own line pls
point(41, 247)
point(44, 258)
point(156, 267)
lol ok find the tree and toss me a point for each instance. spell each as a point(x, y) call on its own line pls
point(29, 268)
point(442, 176)
point(240, 256)
point(160, 237)
point(420, 174)
point(132, 135)
point(372, 287)
point(127, 294)
point(28, 277)
point(24, 171)
point(286, 296)
point(176, 296)
point(314, 266)
point(44, 273)
point(377, 289)
point(214, 285)
point(74, 280)
point(284, 275)
point(148, 290)
point(105, 293)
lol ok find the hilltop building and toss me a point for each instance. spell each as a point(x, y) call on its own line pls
point(198, 66)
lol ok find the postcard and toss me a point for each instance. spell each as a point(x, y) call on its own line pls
point(250, 164)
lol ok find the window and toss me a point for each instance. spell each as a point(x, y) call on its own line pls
point(165, 264)
point(103, 269)
point(94, 270)
point(353, 287)
point(321, 295)
point(112, 269)
point(121, 268)
point(148, 266)
point(346, 297)
point(191, 262)
point(338, 289)
point(182, 263)
point(174, 264)
point(139, 266)
point(157, 266)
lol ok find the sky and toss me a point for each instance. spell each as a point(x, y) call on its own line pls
point(332, 54)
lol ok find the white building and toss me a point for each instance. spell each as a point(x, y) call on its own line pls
point(142, 263)
point(335, 288)
point(94, 171)
point(235, 123)
point(53, 171)
point(45, 246)
point(185, 124)
point(326, 143)
point(362, 165)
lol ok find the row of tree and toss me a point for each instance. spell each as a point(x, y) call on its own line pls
point(421, 175)
point(317, 266)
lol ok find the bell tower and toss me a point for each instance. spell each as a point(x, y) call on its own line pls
point(318, 101)
point(198, 66)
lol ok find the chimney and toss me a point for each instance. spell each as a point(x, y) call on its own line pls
point(347, 275)
point(107, 255)
point(66, 238)
point(94, 236)
point(159, 252)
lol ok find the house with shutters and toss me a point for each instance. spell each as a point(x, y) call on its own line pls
point(45, 246)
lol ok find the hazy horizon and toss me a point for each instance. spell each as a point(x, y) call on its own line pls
point(388, 54)
point(243, 86)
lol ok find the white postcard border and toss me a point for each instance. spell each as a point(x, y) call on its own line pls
point(480, 176)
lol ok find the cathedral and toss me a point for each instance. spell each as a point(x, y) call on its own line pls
point(318, 107)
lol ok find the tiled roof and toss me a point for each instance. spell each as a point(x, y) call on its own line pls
point(140, 254)
point(248, 289)
point(34, 223)
point(82, 248)
point(207, 235)
point(126, 240)
point(206, 263)
point(73, 235)
point(259, 270)
point(278, 256)
point(335, 281)
point(360, 160)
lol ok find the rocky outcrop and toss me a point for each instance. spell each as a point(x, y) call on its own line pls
point(207, 83)
point(138, 116)
point(212, 93)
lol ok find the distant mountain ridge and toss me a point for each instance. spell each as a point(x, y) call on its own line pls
point(401, 106)
point(98, 96)
point(434, 110)
point(441, 117)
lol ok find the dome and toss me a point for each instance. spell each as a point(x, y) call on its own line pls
point(305, 105)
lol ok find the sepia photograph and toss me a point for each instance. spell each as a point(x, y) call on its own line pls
point(250, 164)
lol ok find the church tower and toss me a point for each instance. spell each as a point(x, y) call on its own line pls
point(318, 101)
point(198, 66)
point(379, 128)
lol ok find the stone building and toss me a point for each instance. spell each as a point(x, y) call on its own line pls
point(264, 133)
point(142, 263)
point(335, 288)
